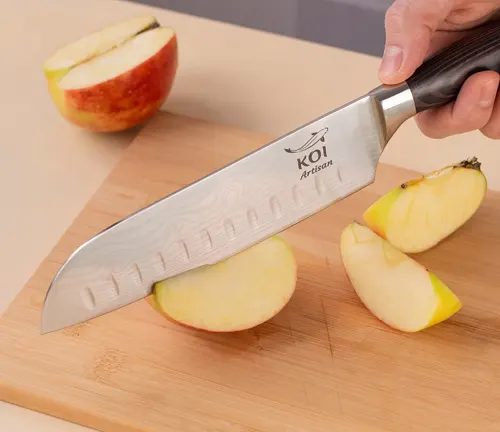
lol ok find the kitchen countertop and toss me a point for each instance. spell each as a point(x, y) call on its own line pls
point(49, 169)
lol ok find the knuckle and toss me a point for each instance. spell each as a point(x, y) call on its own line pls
point(436, 134)
point(433, 132)
point(429, 126)
point(395, 15)
point(426, 14)
point(491, 131)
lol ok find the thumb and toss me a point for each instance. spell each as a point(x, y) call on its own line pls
point(409, 26)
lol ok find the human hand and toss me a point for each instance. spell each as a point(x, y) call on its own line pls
point(418, 28)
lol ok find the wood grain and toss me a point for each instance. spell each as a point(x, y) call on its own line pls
point(439, 79)
point(323, 364)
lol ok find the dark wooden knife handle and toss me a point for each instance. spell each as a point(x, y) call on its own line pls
point(439, 79)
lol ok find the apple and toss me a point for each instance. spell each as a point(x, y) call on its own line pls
point(116, 78)
point(422, 212)
point(394, 287)
point(235, 294)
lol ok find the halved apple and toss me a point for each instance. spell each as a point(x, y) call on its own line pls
point(238, 293)
point(116, 78)
point(395, 288)
point(422, 212)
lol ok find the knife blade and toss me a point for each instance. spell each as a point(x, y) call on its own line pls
point(258, 195)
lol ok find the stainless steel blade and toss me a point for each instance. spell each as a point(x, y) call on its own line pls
point(230, 210)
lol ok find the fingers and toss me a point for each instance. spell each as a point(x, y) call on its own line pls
point(409, 26)
point(492, 128)
point(442, 39)
point(473, 109)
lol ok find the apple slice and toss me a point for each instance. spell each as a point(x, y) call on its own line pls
point(422, 212)
point(238, 293)
point(124, 80)
point(395, 288)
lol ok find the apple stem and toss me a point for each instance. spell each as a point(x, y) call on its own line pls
point(471, 163)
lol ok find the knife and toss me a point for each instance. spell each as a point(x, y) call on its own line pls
point(259, 195)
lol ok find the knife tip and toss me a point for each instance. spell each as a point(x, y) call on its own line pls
point(48, 323)
point(45, 326)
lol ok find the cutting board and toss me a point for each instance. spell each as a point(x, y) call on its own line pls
point(323, 364)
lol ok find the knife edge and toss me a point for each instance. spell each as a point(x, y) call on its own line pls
point(258, 195)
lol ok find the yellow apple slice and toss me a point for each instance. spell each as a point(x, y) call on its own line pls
point(419, 214)
point(121, 87)
point(95, 44)
point(395, 288)
point(238, 293)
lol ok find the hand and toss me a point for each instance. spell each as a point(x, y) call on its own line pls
point(418, 28)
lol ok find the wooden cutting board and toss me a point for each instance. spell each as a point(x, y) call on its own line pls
point(323, 364)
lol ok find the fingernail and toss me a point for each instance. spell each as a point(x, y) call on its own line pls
point(391, 61)
point(488, 93)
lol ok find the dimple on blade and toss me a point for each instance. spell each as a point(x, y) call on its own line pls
point(229, 210)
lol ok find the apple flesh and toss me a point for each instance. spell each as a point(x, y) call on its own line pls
point(95, 44)
point(114, 79)
point(236, 294)
point(419, 214)
point(395, 288)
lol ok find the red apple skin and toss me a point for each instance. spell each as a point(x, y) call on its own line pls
point(124, 101)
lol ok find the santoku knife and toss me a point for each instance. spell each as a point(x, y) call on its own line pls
point(257, 196)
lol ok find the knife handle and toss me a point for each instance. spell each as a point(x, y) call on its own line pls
point(439, 79)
